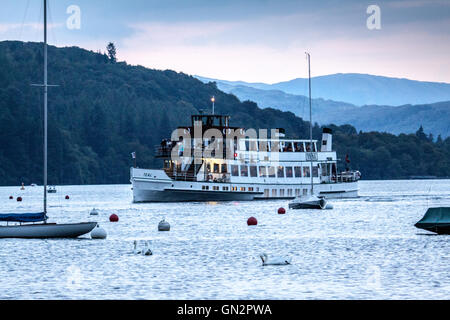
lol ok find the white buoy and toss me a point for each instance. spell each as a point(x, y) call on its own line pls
point(94, 212)
point(98, 233)
point(163, 225)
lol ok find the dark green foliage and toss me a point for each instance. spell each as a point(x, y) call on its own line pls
point(111, 48)
point(101, 112)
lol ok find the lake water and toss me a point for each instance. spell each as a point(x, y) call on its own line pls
point(366, 248)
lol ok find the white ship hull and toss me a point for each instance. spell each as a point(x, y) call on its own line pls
point(156, 186)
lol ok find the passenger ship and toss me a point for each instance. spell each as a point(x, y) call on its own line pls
point(259, 169)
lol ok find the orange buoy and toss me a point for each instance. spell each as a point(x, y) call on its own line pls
point(282, 211)
point(114, 218)
point(252, 221)
point(19, 199)
point(67, 197)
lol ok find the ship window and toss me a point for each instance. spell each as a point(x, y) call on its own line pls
point(298, 172)
point(234, 188)
point(314, 147)
point(315, 172)
point(308, 147)
point(205, 187)
point(266, 193)
point(274, 192)
point(250, 189)
point(262, 171)
point(215, 188)
point(289, 173)
point(253, 146)
point(216, 168)
point(244, 171)
point(224, 168)
point(242, 189)
point(225, 188)
point(280, 172)
point(282, 193)
point(324, 169)
point(275, 146)
point(235, 170)
point(297, 192)
point(289, 192)
point(288, 147)
point(298, 147)
point(271, 172)
point(253, 171)
point(305, 192)
point(306, 172)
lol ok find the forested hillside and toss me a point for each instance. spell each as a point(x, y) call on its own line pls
point(102, 111)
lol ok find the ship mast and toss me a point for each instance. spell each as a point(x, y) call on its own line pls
point(310, 122)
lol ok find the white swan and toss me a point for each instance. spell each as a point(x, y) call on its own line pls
point(274, 261)
point(146, 251)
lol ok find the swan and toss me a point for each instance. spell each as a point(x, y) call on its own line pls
point(135, 251)
point(275, 261)
point(146, 251)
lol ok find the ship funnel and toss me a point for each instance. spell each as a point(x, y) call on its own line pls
point(327, 140)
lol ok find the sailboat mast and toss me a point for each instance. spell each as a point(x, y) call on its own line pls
point(45, 106)
point(310, 122)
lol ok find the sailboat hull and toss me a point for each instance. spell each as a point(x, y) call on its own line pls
point(46, 231)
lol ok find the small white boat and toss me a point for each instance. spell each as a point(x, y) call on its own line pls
point(46, 230)
point(308, 202)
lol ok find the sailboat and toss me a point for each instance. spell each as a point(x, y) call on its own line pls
point(309, 201)
point(34, 225)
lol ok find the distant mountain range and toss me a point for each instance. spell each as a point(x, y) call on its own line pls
point(358, 89)
point(434, 117)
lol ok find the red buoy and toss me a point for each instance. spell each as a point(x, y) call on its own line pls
point(67, 197)
point(11, 197)
point(282, 211)
point(19, 199)
point(252, 221)
point(114, 218)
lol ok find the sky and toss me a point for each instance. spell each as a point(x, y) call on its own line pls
point(250, 40)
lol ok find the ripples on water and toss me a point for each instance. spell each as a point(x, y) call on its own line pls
point(366, 248)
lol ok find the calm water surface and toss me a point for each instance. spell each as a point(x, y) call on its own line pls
point(366, 248)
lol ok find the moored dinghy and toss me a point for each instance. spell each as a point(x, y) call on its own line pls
point(308, 202)
point(436, 220)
